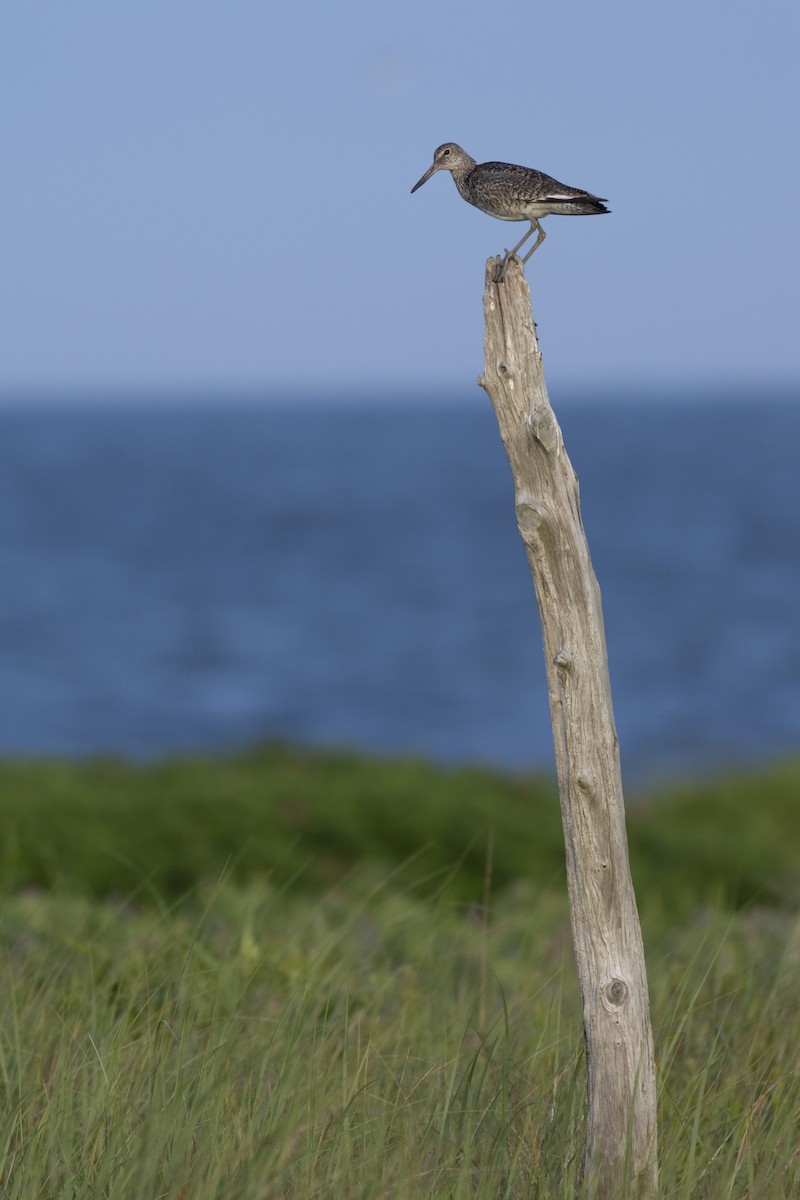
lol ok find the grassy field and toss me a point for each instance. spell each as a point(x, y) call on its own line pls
point(317, 976)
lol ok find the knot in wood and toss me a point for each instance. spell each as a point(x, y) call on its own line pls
point(563, 660)
point(531, 516)
point(586, 783)
point(506, 373)
point(542, 427)
point(616, 993)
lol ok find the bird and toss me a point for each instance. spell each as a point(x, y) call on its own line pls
point(512, 193)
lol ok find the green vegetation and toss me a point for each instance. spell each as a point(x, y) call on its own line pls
point(277, 976)
point(304, 820)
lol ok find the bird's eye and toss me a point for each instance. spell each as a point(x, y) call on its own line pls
point(446, 153)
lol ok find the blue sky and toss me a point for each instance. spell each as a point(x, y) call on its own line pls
point(208, 196)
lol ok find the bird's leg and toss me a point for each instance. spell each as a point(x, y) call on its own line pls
point(537, 243)
point(523, 240)
point(511, 253)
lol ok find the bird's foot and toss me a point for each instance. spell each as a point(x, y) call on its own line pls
point(501, 270)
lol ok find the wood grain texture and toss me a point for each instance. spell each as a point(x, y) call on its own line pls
point(620, 1154)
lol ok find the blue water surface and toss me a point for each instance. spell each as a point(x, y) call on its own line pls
point(185, 578)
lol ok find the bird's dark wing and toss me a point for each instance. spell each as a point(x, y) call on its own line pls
point(523, 181)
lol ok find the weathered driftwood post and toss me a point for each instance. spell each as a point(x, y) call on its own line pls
point(620, 1153)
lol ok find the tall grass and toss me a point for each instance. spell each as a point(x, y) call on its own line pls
point(259, 1045)
point(408, 1029)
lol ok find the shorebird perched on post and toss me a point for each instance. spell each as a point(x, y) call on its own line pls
point(512, 193)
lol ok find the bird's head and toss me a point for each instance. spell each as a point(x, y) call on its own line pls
point(448, 157)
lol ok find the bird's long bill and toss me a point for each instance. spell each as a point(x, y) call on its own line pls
point(425, 177)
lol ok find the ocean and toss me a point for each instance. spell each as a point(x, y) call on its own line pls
point(183, 579)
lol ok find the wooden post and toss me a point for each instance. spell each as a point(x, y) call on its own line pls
point(620, 1153)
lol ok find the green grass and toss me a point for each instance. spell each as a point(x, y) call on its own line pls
point(336, 1014)
point(305, 819)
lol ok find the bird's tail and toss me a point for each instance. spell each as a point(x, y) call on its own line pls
point(583, 206)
